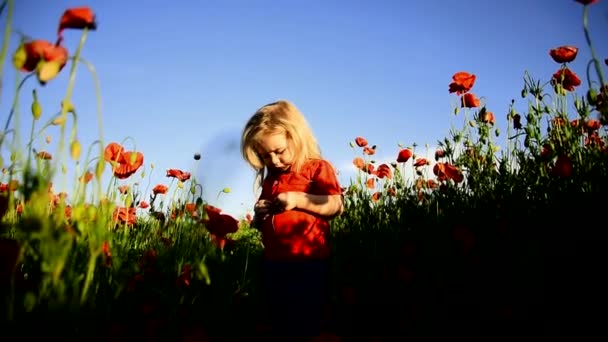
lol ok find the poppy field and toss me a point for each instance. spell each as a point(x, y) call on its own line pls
point(479, 242)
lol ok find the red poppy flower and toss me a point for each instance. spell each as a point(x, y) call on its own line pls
point(487, 117)
point(404, 155)
point(87, 177)
point(469, 100)
point(42, 50)
point(360, 141)
point(370, 151)
point(124, 215)
point(563, 54)
point(568, 79)
point(562, 167)
point(462, 82)
point(113, 152)
point(587, 2)
point(219, 224)
point(384, 171)
point(421, 162)
point(77, 18)
point(160, 189)
point(445, 171)
point(44, 155)
point(359, 163)
point(179, 174)
point(371, 183)
point(129, 166)
point(439, 154)
point(124, 163)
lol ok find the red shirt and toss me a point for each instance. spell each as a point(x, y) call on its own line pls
point(297, 234)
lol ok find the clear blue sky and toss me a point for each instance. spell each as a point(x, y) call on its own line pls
point(181, 77)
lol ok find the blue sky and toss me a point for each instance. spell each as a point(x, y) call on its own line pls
point(182, 77)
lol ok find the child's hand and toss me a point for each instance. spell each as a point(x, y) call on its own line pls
point(262, 208)
point(287, 200)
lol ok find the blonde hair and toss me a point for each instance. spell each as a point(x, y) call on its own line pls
point(278, 117)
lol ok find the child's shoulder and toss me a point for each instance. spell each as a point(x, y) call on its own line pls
point(314, 163)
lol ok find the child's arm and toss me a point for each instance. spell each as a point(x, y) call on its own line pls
point(324, 205)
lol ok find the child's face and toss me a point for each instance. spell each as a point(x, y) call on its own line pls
point(275, 151)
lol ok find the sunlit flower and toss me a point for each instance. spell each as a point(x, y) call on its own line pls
point(462, 82)
point(219, 224)
point(35, 51)
point(568, 79)
point(359, 163)
point(124, 215)
point(360, 141)
point(44, 155)
point(487, 117)
point(563, 54)
point(77, 18)
point(404, 155)
point(469, 100)
point(384, 171)
point(179, 174)
point(445, 171)
point(439, 154)
point(160, 189)
point(124, 163)
point(369, 150)
point(371, 183)
point(421, 162)
point(87, 177)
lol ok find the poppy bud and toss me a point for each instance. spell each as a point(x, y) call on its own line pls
point(36, 107)
point(226, 190)
point(47, 70)
point(20, 57)
point(48, 139)
point(99, 168)
point(472, 123)
point(497, 132)
point(199, 201)
point(592, 97)
point(152, 166)
point(524, 93)
point(197, 156)
point(59, 120)
point(75, 149)
point(351, 144)
point(192, 190)
point(68, 107)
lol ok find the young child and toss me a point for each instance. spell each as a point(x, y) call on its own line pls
point(300, 193)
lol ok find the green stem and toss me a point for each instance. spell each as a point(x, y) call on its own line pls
point(596, 61)
point(14, 105)
point(68, 96)
point(99, 116)
point(89, 277)
point(7, 37)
